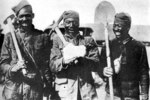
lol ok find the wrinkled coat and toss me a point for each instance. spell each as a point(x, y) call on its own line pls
point(30, 86)
point(74, 81)
point(134, 68)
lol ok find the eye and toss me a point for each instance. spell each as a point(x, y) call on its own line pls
point(72, 22)
point(25, 15)
point(67, 22)
point(28, 15)
point(76, 23)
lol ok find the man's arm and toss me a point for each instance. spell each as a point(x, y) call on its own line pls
point(144, 74)
point(56, 57)
point(92, 55)
point(7, 56)
point(9, 64)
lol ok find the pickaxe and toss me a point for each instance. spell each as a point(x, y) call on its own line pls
point(8, 21)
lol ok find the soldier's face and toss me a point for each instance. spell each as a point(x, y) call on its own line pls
point(25, 17)
point(120, 29)
point(71, 26)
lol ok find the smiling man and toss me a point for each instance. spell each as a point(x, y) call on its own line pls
point(33, 45)
point(129, 63)
point(73, 72)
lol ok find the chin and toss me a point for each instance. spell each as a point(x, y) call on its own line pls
point(118, 37)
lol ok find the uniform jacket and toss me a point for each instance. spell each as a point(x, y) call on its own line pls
point(134, 67)
point(80, 73)
point(33, 50)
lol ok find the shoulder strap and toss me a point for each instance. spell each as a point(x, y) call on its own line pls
point(29, 55)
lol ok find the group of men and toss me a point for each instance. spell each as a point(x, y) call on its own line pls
point(66, 68)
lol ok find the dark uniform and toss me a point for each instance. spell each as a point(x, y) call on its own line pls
point(30, 86)
point(134, 68)
point(34, 48)
point(133, 74)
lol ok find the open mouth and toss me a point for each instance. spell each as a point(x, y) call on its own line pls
point(117, 33)
point(24, 24)
point(71, 30)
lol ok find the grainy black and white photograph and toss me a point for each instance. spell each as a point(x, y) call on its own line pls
point(74, 49)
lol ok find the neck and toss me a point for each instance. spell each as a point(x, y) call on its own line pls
point(72, 35)
point(26, 29)
point(25, 32)
point(124, 38)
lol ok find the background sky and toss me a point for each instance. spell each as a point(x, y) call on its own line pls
point(48, 10)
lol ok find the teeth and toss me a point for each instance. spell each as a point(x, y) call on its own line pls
point(117, 33)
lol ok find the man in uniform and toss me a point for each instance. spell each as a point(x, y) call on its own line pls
point(33, 45)
point(72, 63)
point(130, 70)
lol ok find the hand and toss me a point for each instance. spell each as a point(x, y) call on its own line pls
point(69, 61)
point(108, 71)
point(20, 65)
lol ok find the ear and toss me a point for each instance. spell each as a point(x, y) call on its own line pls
point(17, 19)
point(128, 28)
point(33, 15)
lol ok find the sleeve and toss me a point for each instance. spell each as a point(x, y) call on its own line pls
point(56, 57)
point(47, 72)
point(92, 55)
point(43, 56)
point(144, 72)
point(103, 61)
point(48, 75)
point(6, 57)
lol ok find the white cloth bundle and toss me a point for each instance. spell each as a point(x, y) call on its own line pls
point(71, 51)
point(117, 65)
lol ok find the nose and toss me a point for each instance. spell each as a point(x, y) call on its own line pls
point(24, 18)
point(117, 28)
point(71, 24)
